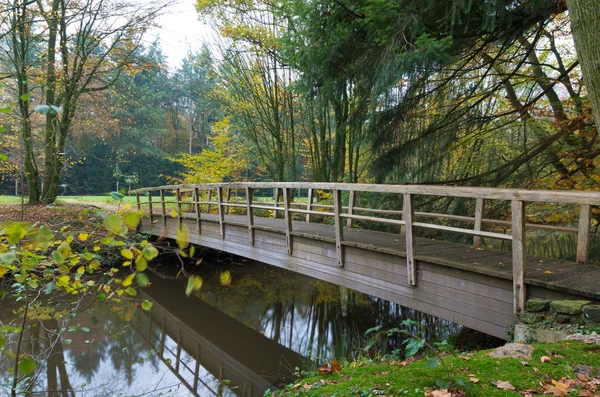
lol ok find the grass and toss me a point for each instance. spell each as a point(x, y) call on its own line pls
point(74, 200)
point(385, 379)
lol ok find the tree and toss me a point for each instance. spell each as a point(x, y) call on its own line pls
point(87, 45)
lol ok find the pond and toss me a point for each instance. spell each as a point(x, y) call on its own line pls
point(257, 333)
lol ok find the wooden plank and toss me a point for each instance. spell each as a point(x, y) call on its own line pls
point(163, 206)
point(221, 214)
point(549, 196)
point(499, 236)
point(198, 210)
point(479, 203)
point(227, 200)
point(408, 212)
point(287, 216)
point(351, 201)
point(308, 213)
point(583, 235)
point(250, 214)
point(519, 251)
point(339, 228)
point(309, 205)
point(137, 200)
point(209, 200)
point(373, 219)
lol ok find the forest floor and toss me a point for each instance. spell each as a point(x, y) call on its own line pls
point(569, 368)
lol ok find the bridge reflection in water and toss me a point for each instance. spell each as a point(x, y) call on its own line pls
point(248, 338)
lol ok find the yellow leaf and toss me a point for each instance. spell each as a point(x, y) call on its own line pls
point(81, 270)
point(83, 236)
point(127, 253)
point(128, 280)
point(174, 213)
point(69, 239)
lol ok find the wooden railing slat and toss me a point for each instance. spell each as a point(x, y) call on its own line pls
point(250, 214)
point(288, 219)
point(198, 210)
point(339, 228)
point(519, 252)
point(351, 200)
point(408, 214)
point(479, 203)
point(221, 213)
point(583, 234)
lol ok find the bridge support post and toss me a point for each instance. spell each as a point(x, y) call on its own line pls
point(198, 209)
point(339, 227)
point(583, 234)
point(137, 201)
point(227, 200)
point(479, 204)
point(287, 216)
point(209, 198)
point(178, 198)
point(250, 214)
point(150, 208)
point(518, 250)
point(276, 203)
point(221, 212)
point(408, 214)
point(351, 208)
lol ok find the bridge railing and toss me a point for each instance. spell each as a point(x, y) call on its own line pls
point(284, 203)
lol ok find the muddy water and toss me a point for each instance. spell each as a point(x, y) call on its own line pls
point(239, 339)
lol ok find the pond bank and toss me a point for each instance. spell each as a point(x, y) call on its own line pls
point(568, 368)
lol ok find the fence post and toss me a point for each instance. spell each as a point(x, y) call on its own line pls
point(408, 214)
point(198, 209)
point(351, 208)
point(221, 214)
point(209, 197)
point(309, 204)
point(479, 203)
point(276, 202)
point(518, 249)
point(137, 200)
point(150, 207)
point(583, 234)
point(227, 200)
point(250, 214)
point(288, 219)
point(178, 197)
point(339, 227)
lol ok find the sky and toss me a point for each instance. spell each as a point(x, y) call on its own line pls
point(181, 31)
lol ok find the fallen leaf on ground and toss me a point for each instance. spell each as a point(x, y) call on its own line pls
point(525, 363)
point(438, 393)
point(545, 359)
point(503, 385)
point(548, 272)
point(557, 388)
point(400, 363)
point(474, 380)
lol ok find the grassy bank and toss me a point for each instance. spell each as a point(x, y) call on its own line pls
point(565, 369)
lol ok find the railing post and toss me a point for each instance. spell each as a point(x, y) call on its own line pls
point(150, 207)
point(178, 197)
point(198, 209)
point(197, 368)
point(178, 357)
point(221, 214)
point(339, 227)
point(250, 214)
point(479, 203)
point(408, 214)
point(309, 204)
point(137, 200)
point(518, 249)
point(227, 199)
point(583, 234)
point(350, 208)
point(276, 202)
point(163, 207)
point(209, 198)
point(287, 216)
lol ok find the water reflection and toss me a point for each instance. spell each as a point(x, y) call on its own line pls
point(225, 341)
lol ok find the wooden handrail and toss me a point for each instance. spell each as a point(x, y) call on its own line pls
point(517, 197)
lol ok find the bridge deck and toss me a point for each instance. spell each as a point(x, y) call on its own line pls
point(456, 282)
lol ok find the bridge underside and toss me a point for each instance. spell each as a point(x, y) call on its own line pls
point(455, 282)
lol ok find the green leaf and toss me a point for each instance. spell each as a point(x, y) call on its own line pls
point(132, 219)
point(2, 342)
point(194, 284)
point(131, 292)
point(150, 252)
point(5, 110)
point(127, 253)
point(147, 305)
point(49, 288)
point(117, 196)
point(8, 258)
point(141, 279)
point(85, 329)
point(141, 264)
point(113, 223)
point(26, 366)
point(413, 346)
point(3, 157)
point(24, 97)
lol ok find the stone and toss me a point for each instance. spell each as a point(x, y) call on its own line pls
point(531, 318)
point(592, 313)
point(569, 318)
point(526, 334)
point(536, 305)
point(568, 307)
point(515, 350)
point(590, 339)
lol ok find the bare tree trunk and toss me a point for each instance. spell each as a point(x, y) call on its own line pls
point(585, 24)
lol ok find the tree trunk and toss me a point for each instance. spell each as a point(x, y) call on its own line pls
point(585, 24)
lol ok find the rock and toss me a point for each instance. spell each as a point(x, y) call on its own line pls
point(536, 305)
point(592, 313)
point(568, 307)
point(590, 339)
point(515, 350)
point(530, 318)
point(527, 334)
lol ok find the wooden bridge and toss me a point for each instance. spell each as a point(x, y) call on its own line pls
point(481, 289)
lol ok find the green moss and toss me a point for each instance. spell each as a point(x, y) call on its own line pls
point(387, 379)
